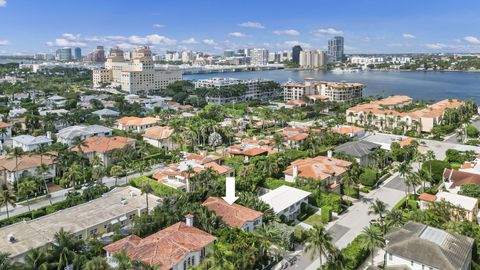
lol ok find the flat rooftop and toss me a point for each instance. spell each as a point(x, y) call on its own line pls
point(41, 231)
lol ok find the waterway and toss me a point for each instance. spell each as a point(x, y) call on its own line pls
point(416, 84)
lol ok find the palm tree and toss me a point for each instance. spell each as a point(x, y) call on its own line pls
point(218, 259)
point(72, 175)
point(42, 170)
point(394, 218)
point(116, 171)
point(122, 260)
point(146, 189)
point(404, 168)
point(16, 152)
point(373, 239)
point(7, 197)
point(5, 261)
point(347, 181)
point(97, 263)
point(413, 180)
point(430, 156)
point(26, 189)
point(319, 243)
point(36, 259)
point(379, 208)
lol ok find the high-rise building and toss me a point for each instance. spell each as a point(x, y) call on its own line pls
point(96, 56)
point(64, 54)
point(313, 59)
point(135, 75)
point(258, 56)
point(77, 53)
point(296, 54)
point(187, 56)
point(335, 50)
point(228, 53)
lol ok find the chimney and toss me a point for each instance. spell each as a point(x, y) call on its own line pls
point(295, 171)
point(329, 153)
point(189, 220)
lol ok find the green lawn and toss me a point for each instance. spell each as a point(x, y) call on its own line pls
point(314, 220)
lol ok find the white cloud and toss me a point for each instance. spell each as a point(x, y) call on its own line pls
point(115, 38)
point(210, 42)
point(4, 42)
point(126, 46)
point(288, 32)
point(290, 43)
point(71, 36)
point(157, 25)
point(151, 40)
point(436, 46)
point(236, 34)
point(472, 40)
point(62, 42)
point(252, 25)
point(326, 32)
point(3, 3)
point(408, 36)
point(190, 41)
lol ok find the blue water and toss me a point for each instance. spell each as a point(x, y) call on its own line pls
point(418, 85)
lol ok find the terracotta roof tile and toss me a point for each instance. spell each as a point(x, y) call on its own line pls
point(319, 168)
point(234, 215)
point(26, 161)
point(136, 121)
point(103, 144)
point(158, 132)
point(166, 248)
point(427, 197)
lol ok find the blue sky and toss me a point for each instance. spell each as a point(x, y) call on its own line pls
point(369, 26)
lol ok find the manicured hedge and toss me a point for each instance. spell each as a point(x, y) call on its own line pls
point(438, 166)
point(159, 189)
point(354, 255)
point(326, 214)
point(333, 200)
point(368, 178)
point(272, 183)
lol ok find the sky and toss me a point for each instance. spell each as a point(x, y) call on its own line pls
point(369, 26)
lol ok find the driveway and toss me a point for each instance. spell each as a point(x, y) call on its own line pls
point(351, 224)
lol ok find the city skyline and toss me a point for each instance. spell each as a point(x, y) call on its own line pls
point(213, 26)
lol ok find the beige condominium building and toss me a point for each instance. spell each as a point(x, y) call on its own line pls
point(94, 218)
point(333, 91)
point(384, 114)
point(136, 74)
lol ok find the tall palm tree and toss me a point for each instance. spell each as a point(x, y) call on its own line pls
point(430, 156)
point(5, 261)
point(319, 243)
point(394, 218)
point(116, 171)
point(373, 239)
point(42, 170)
point(379, 208)
point(146, 189)
point(7, 197)
point(97, 263)
point(36, 259)
point(72, 175)
point(16, 152)
point(219, 259)
point(404, 168)
point(26, 189)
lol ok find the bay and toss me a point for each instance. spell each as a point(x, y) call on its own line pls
point(429, 85)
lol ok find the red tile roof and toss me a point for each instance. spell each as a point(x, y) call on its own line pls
point(427, 197)
point(233, 215)
point(166, 248)
point(319, 168)
point(103, 144)
point(461, 178)
point(158, 132)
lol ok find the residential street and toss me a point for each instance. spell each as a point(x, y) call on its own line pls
point(351, 224)
point(61, 194)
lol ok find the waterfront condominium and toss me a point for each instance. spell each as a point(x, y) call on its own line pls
point(258, 57)
point(384, 114)
point(296, 54)
point(313, 59)
point(333, 91)
point(335, 50)
point(255, 90)
point(135, 73)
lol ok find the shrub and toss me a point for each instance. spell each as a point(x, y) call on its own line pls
point(333, 200)
point(412, 204)
point(354, 255)
point(368, 177)
point(159, 189)
point(272, 183)
point(471, 190)
point(326, 214)
point(365, 189)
